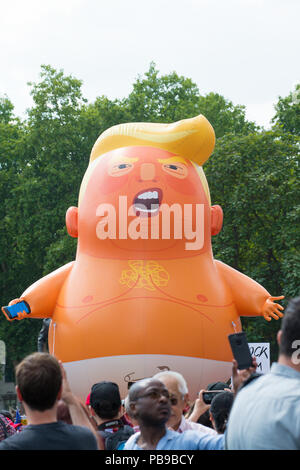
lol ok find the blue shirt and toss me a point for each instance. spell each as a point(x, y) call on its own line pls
point(188, 440)
point(266, 413)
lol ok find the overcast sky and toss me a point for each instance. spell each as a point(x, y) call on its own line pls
point(246, 50)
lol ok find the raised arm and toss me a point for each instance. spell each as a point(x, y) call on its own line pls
point(78, 415)
point(251, 299)
point(42, 295)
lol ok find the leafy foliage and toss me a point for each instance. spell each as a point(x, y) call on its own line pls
point(255, 178)
point(287, 115)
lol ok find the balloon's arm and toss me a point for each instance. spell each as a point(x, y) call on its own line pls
point(39, 300)
point(250, 298)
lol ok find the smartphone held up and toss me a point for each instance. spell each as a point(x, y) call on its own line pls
point(240, 350)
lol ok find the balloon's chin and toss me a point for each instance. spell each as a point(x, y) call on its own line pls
point(145, 246)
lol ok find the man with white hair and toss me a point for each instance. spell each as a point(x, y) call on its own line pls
point(179, 395)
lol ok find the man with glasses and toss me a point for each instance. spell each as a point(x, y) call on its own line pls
point(179, 396)
point(149, 401)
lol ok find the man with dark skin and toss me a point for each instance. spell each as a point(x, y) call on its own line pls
point(150, 405)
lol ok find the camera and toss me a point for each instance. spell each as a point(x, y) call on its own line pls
point(208, 395)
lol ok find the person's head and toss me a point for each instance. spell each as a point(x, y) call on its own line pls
point(217, 386)
point(205, 419)
point(219, 410)
point(149, 402)
point(105, 400)
point(178, 391)
point(128, 412)
point(289, 335)
point(39, 381)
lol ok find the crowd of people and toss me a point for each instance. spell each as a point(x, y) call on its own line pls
point(253, 411)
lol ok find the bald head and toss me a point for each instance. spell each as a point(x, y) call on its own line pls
point(149, 402)
point(138, 388)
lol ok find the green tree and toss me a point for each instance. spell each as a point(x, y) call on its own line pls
point(170, 98)
point(287, 116)
point(162, 99)
point(6, 110)
point(98, 116)
point(255, 178)
point(51, 158)
point(56, 158)
point(224, 116)
point(11, 139)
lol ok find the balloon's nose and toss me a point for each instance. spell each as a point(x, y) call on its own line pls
point(147, 171)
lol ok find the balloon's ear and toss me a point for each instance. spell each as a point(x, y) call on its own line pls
point(72, 221)
point(216, 219)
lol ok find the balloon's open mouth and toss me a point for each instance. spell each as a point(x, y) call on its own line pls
point(147, 202)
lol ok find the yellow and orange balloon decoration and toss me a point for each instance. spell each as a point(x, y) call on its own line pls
point(144, 293)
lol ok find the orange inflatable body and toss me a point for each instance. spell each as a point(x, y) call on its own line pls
point(145, 293)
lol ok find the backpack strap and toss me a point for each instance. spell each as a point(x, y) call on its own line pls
point(116, 423)
point(116, 440)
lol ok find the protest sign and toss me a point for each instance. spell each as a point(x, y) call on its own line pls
point(261, 351)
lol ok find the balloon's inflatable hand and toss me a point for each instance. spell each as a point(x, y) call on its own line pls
point(272, 309)
point(16, 310)
point(15, 301)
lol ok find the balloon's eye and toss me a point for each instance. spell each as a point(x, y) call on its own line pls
point(120, 169)
point(172, 167)
point(179, 170)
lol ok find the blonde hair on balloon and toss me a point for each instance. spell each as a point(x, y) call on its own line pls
point(193, 139)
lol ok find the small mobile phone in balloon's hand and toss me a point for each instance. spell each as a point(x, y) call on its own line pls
point(12, 311)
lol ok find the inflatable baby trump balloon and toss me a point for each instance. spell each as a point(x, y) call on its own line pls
point(144, 293)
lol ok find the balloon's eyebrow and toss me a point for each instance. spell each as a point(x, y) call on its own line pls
point(124, 160)
point(167, 161)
